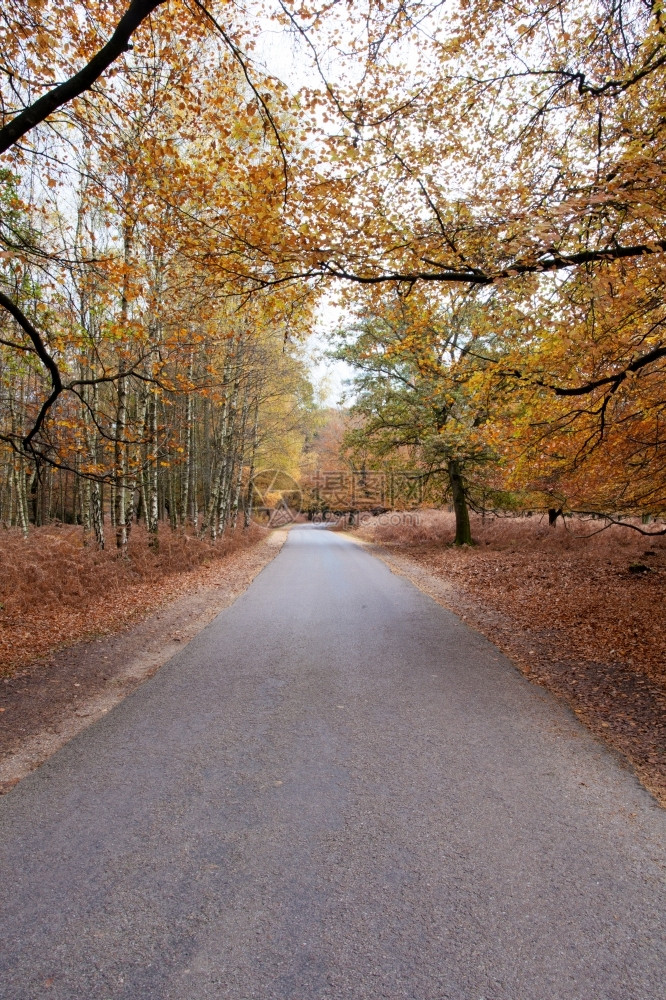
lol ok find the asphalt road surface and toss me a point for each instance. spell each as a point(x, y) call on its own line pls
point(336, 790)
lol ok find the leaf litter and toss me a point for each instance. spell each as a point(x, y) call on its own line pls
point(573, 613)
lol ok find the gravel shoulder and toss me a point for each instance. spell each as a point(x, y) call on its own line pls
point(47, 703)
point(621, 706)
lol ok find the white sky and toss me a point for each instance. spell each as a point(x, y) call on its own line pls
point(285, 56)
point(327, 375)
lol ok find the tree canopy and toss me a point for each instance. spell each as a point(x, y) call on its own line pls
point(160, 182)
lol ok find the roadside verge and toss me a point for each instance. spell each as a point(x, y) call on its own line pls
point(620, 706)
point(43, 706)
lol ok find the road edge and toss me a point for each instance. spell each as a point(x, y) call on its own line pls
point(178, 628)
point(437, 588)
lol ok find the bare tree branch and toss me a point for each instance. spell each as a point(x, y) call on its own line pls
point(31, 116)
point(46, 359)
point(554, 261)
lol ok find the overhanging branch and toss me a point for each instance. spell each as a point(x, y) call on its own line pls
point(33, 115)
point(551, 262)
point(46, 359)
point(612, 380)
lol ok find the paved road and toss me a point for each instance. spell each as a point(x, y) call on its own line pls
point(337, 790)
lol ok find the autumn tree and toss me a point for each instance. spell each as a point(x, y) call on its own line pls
point(517, 152)
point(514, 151)
point(415, 358)
point(120, 293)
point(579, 367)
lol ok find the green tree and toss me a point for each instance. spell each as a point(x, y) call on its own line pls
point(412, 356)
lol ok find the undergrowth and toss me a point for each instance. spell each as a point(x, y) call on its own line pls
point(55, 590)
point(54, 566)
point(574, 536)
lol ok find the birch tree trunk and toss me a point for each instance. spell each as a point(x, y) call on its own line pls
point(249, 496)
point(187, 458)
point(120, 447)
point(22, 518)
point(240, 451)
point(152, 496)
point(228, 461)
point(211, 521)
point(120, 456)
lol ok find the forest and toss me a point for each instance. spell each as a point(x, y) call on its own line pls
point(189, 189)
point(479, 186)
point(332, 499)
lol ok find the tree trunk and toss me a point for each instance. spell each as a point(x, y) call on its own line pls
point(97, 513)
point(193, 492)
point(463, 530)
point(152, 495)
point(229, 454)
point(120, 467)
point(249, 496)
point(21, 499)
point(186, 470)
point(86, 513)
point(214, 510)
point(238, 459)
point(553, 514)
point(93, 513)
point(120, 447)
